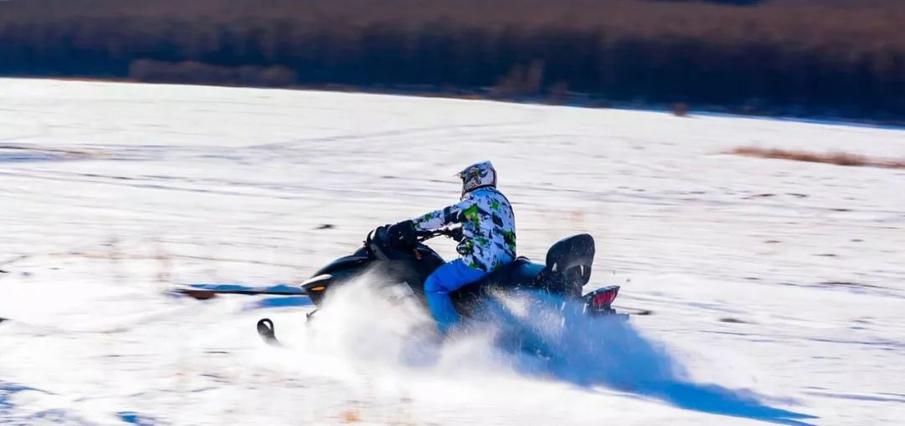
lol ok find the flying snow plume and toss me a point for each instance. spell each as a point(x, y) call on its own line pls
point(384, 329)
point(565, 344)
point(381, 334)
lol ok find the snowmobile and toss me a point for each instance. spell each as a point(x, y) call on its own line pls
point(406, 264)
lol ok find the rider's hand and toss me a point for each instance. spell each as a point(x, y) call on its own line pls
point(456, 234)
point(402, 233)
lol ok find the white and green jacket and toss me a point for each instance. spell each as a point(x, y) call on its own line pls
point(488, 227)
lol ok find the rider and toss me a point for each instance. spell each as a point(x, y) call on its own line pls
point(488, 239)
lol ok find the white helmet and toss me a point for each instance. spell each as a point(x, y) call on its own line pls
point(478, 175)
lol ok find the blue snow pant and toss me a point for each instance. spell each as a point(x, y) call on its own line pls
point(445, 279)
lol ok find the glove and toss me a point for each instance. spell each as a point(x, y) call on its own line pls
point(402, 234)
point(456, 234)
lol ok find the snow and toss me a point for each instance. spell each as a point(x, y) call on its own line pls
point(776, 287)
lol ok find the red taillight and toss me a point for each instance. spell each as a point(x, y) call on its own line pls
point(603, 298)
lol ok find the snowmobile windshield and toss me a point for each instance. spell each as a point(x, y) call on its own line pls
point(380, 246)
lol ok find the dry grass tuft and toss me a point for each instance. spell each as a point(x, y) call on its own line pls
point(837, 158)
point(351, 416)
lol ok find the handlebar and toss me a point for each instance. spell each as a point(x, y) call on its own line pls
point(454, 232)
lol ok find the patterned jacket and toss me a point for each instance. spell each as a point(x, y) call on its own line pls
point(488, 227)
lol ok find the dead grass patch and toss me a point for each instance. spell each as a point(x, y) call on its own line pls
point(351, 416)
point(837, 158)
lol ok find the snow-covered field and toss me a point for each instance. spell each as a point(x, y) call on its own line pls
point(776, 288)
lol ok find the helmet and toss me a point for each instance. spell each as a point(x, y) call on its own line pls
point(478, 175)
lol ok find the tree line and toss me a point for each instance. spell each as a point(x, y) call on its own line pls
point(833, 57)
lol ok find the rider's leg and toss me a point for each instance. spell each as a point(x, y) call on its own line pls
point(440, 283)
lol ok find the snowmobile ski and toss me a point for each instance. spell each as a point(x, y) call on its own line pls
point(207, 291)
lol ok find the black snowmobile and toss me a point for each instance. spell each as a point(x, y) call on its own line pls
point(408, 263)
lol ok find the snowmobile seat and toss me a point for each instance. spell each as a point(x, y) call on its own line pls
point(520, 271)
point(567, 270)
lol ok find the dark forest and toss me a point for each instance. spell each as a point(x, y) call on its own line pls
point(829, 58)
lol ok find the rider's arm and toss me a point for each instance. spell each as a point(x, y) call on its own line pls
point(443, 217)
